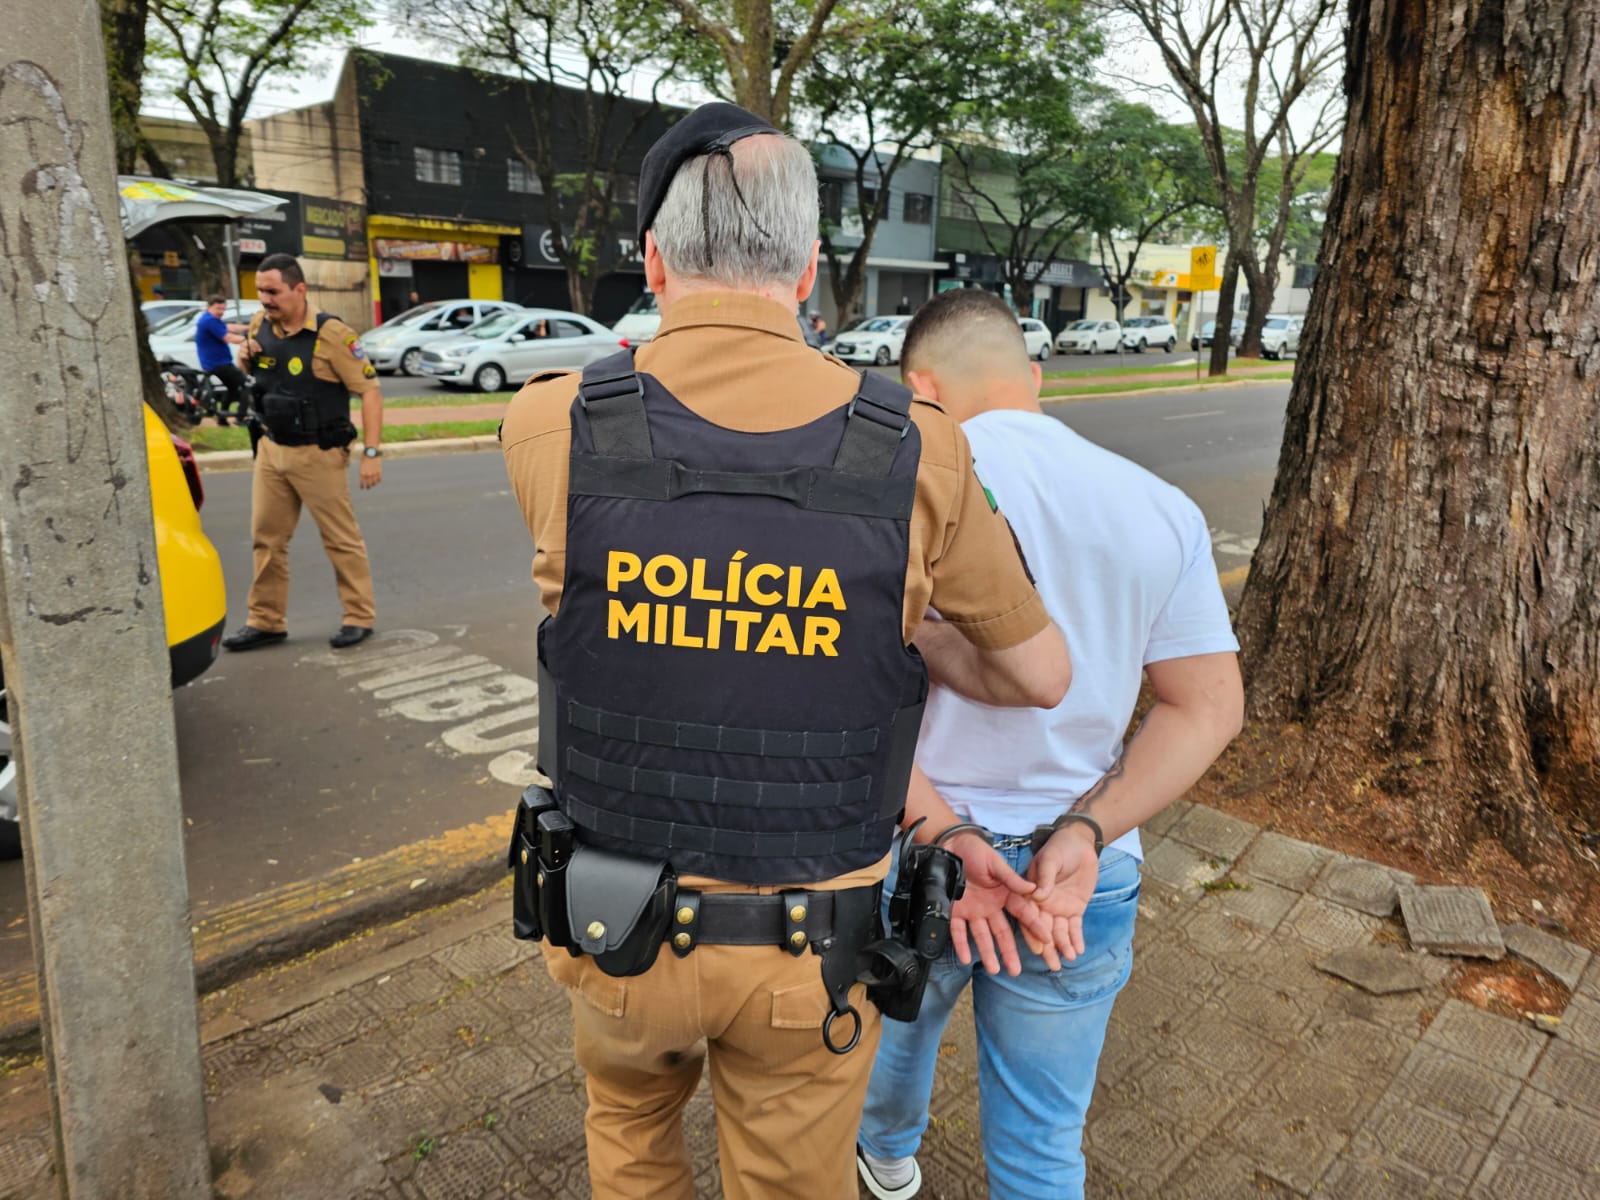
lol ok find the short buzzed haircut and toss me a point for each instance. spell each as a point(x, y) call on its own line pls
point(286, 265)
point(963, 324)
point(215, 298)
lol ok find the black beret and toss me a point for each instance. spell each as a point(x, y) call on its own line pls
point(709, 127)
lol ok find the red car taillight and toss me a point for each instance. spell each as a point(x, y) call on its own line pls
point(623, 343)
point(191, 470)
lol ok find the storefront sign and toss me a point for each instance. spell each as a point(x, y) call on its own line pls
point(539, 249)
point(333, 229)
point(423, 251)
point(308, 227)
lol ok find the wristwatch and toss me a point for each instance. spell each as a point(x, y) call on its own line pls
point(373, 452)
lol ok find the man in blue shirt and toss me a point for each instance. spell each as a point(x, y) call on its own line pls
point(212, 337)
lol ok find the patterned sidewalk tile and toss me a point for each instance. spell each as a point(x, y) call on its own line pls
point(1214, 833)
point(1364, 886)
point(1556, 957)
point(1451, 920)
point(1542, 1129)
point(1570, 1075)
point(1498, 1043)
point(1284, 861)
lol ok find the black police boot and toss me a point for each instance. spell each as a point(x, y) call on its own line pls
point(251, 638)
point(349, 635)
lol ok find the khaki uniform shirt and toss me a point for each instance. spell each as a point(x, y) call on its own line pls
point(335, 356)
point(738, 361)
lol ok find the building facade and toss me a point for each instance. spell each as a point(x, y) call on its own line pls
point(437, 155)
point(902, 265)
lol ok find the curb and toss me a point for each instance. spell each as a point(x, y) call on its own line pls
point(1156, 391)
point(215, 462)
point(310, 914)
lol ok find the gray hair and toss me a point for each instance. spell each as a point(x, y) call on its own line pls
point(746, 223)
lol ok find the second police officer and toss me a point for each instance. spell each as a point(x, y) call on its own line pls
point(736, 541)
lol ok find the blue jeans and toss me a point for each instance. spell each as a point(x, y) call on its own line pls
point(1039, 1040)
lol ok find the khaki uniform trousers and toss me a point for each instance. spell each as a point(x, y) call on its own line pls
point(287, 477)
point(788, 1109)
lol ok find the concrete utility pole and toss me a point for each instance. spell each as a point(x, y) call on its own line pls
point(82, 638)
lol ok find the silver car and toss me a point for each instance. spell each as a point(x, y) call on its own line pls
point(397, 344)
point(512, 346)
point(1280, 336)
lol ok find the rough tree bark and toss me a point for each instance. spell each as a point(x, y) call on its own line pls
point(1424, 594)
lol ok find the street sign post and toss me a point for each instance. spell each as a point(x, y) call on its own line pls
point(1202, 279)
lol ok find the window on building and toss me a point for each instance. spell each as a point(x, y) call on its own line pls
point(919, 209)
point(831, 194)
point(438, 166)
point(869, 199)
point(963, 204)
point(386, 150)
point(625, 189)
point(520, 177)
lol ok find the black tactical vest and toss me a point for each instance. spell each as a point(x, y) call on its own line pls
point(298, 408)
point(726, 684)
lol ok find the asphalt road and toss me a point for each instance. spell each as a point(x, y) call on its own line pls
point(400, 387)
point(296, 761)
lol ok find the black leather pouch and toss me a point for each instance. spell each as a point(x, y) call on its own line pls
point(620, 907)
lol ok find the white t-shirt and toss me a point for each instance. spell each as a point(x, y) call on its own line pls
point(1123, 564)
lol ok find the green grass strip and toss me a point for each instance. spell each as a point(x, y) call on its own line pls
point(210, 438)
point(440, 399)
point(1101, 389)
point(1152, 369)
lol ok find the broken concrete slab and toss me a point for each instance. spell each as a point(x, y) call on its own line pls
point(1554, 956)
point(1376, 970)
point(1452, 920)
point(1364, 886)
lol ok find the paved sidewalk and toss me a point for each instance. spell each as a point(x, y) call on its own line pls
point(431, 1060)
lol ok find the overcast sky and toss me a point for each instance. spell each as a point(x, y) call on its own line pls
point(1131, 65)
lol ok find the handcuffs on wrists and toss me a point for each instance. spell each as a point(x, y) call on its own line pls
point(1044, 833)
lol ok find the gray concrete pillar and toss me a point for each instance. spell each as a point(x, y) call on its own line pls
point(82, 638)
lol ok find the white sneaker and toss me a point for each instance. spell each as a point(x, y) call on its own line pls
point(882, 1190)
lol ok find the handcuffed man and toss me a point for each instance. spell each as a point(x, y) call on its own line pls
point(1124, 564)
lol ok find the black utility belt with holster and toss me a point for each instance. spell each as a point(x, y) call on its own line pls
point(620, 909)
point(297, 419)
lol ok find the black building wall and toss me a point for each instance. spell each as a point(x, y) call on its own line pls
point(406, 103)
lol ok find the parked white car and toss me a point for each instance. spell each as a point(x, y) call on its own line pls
point(1281, 336)
point(1140, 333)
point(1089, 337)
point(173, 339)
point(640, 322)
point(1036, 336)
point(512, 346)
point(397, 344)
point(876, 340)
point(157, 312)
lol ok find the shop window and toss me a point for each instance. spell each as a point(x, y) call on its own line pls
point(438, 166)
point(520, 177)
point(830, 193)
point(919, 209)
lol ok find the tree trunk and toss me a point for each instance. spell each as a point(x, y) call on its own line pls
point(580, 290)
point(1423, 600)
point(753, 87)
point(1226, 291)
point(123, 24)
point(1263, 282)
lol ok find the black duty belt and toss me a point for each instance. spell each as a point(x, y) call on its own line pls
point(794, 919)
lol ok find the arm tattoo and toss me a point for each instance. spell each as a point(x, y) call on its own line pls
point(1085, 802)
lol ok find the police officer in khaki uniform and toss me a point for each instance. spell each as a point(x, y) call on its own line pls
point(307, 366)
point(736, 541)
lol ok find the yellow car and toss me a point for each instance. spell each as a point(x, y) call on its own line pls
point(192, 590)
